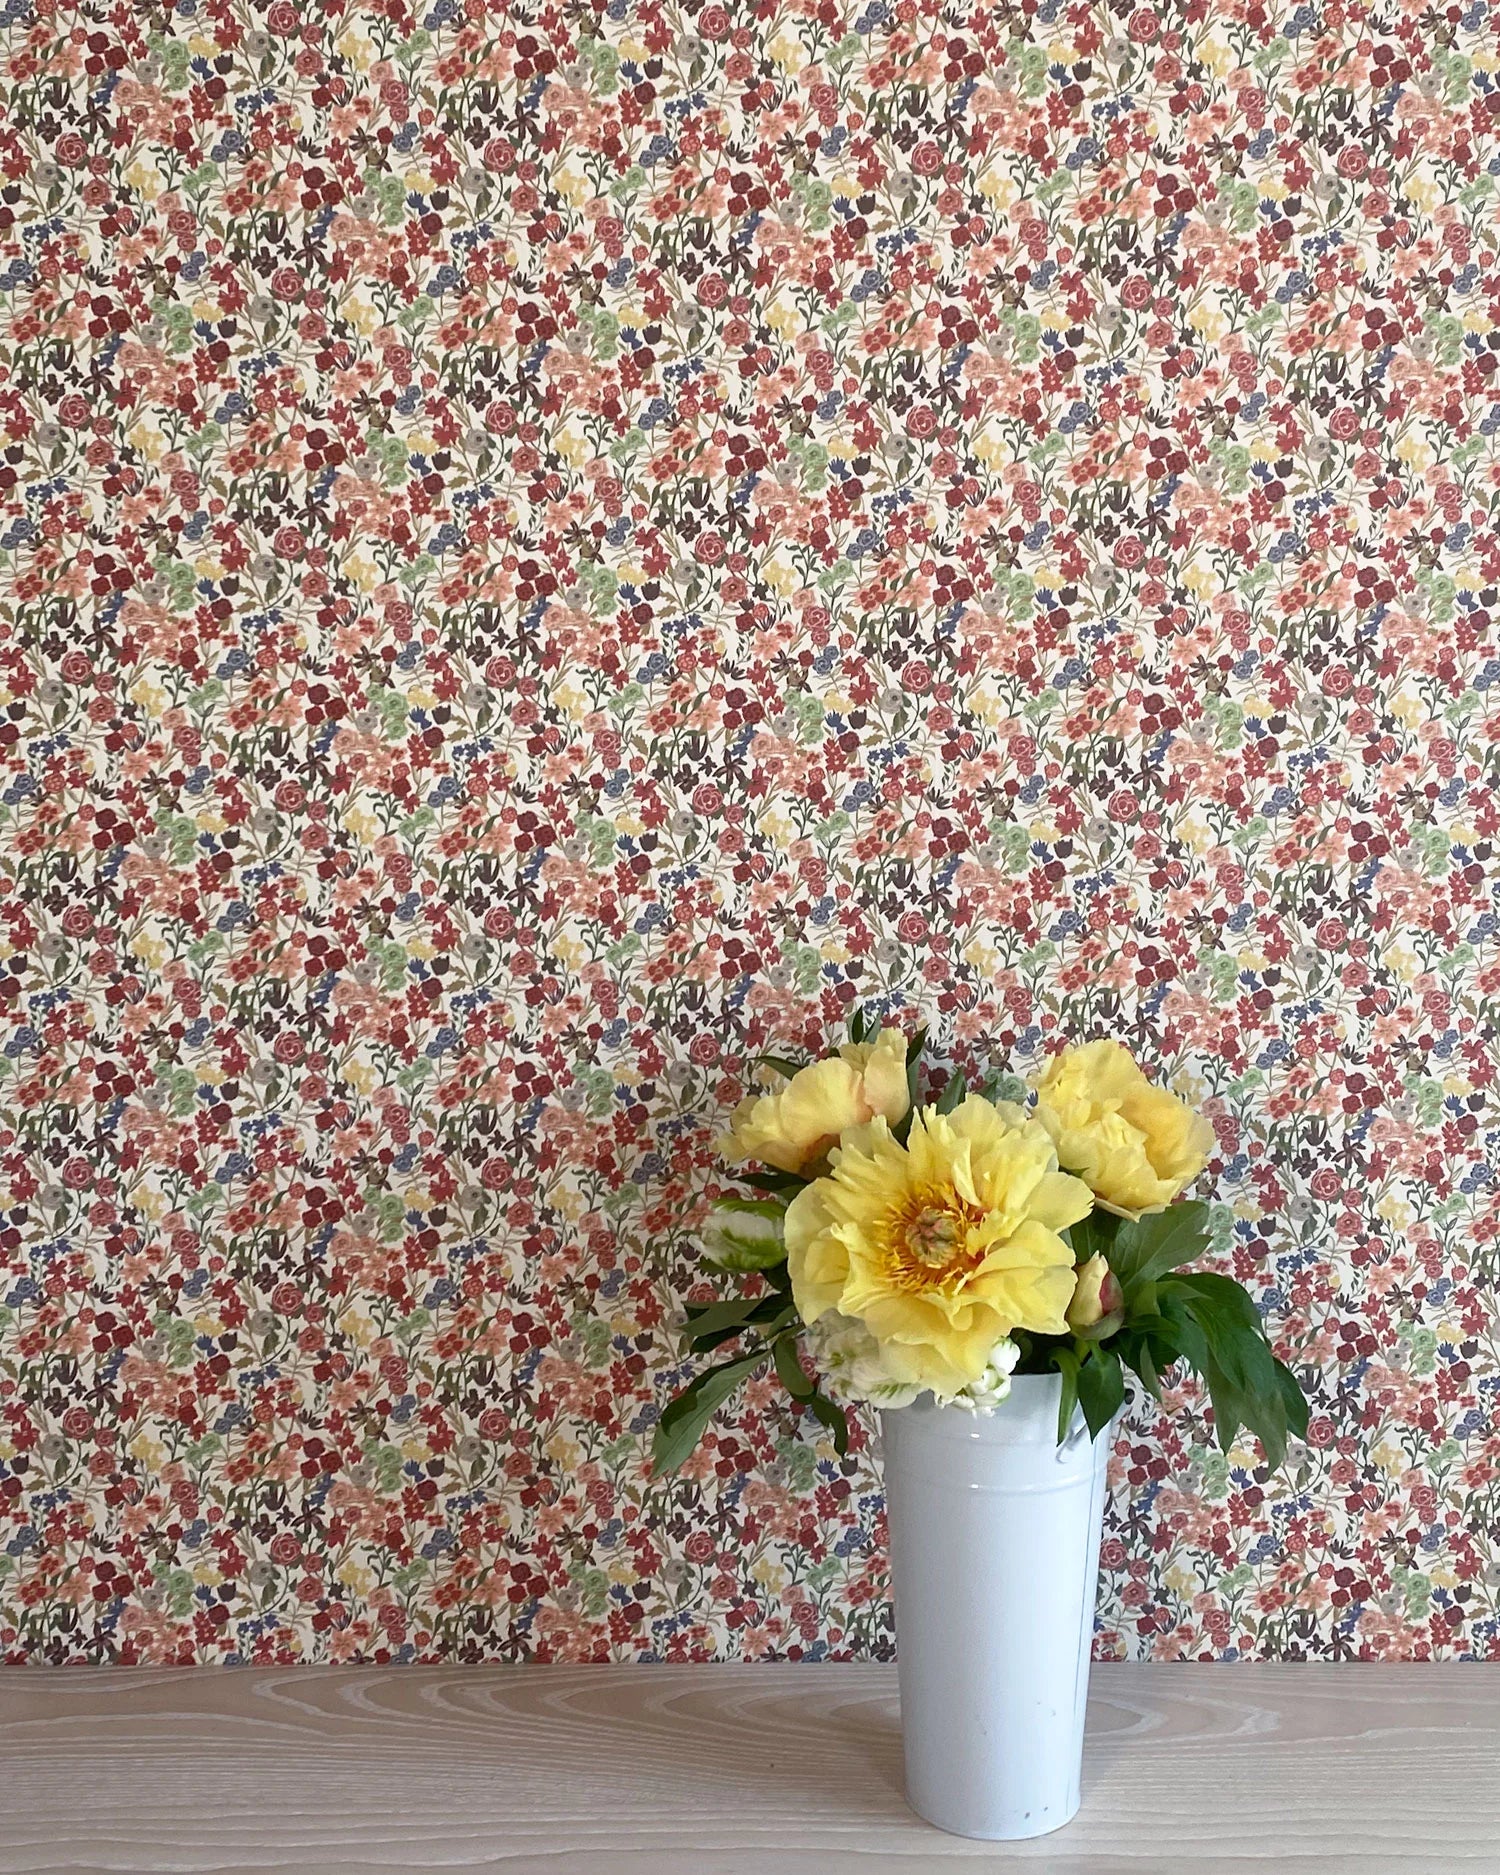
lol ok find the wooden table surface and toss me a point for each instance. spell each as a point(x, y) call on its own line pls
point(727, 1770)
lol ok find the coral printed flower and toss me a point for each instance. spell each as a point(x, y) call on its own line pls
point(942, 1246)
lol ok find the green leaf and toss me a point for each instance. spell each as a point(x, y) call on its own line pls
point(1293, 1399)
point(789, 1369)
point(913, 1073)
point(1066, 1363)
point(858, 1027)
point(1138, 1357)
point(772, 1180)
point(1218, 1298)
point(707, 1318)
point(1182, 1332)
point(783, 1064)
point(1146, 1248)
point(1149, 1324)
point(686, 1417)
point(1094, 1236)
point(770, 1313)
point(954, 1090)
point(1101, 1388)
point(1217, 1329)
point(834, 1418)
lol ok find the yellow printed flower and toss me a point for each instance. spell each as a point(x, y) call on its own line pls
point(1135, 1145)
point(144, 177)
point(940, 1247)
point(796, 1127)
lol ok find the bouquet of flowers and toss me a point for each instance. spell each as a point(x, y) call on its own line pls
point(897, 1245)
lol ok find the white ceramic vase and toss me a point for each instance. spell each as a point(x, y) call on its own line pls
point(995, 1566)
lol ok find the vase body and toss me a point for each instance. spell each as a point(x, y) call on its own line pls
point(994, 1566)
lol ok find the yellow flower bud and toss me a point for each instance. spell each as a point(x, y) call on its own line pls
point(1096, 1296)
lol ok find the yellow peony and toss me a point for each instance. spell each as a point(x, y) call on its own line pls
point(1135, 1145)
point(940, 1247)
point(795, 1128)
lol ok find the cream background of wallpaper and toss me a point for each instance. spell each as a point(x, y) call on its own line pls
point(547, 549)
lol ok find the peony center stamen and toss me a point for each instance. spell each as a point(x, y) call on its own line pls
point(933, 1237)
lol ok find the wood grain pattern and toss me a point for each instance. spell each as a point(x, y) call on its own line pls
point(729, 1770)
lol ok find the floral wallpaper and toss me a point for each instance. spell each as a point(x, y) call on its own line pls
point(545, 547)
